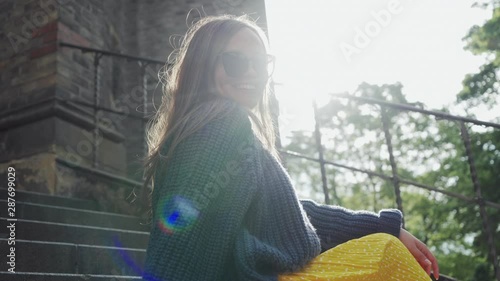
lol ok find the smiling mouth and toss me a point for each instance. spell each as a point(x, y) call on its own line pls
point(245, 86)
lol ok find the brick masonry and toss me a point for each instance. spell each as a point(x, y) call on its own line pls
point(44, 122)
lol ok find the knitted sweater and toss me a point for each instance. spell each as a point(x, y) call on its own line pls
point(225, 209)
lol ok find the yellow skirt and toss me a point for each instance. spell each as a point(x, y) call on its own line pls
point(375, 257)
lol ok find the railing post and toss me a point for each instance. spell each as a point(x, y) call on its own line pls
point(479, 198)
point(144, 105)
point(394, 168)
point(319, 146)
point(97, 82)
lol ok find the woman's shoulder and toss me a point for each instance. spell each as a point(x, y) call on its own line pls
point(229, 108)
point(213, 120)
point(226, 115)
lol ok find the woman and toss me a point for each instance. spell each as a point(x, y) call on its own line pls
point(223, 207)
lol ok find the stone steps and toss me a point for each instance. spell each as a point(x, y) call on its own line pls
point(51, 200)
point(60, 238)
point(40, 276)
point(70, 215)
point(73, 233)
point(56, 257)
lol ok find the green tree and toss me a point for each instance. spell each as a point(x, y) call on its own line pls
point(483, 87)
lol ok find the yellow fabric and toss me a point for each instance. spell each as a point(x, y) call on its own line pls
point(376, 257)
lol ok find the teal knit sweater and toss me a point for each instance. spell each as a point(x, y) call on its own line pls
point(225, 209)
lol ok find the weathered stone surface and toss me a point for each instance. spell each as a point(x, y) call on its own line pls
point(27, 140)
point(33, 173)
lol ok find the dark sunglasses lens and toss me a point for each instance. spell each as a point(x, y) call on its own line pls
point(235, 65)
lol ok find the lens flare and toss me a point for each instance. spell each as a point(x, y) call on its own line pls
point(176, 214)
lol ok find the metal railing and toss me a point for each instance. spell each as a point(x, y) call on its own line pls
point(98, 54)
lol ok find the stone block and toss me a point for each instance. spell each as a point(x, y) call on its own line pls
point(79, 144)
point(43, 82)
point(44, 50)
point(47, 28)
point(27, 139)
point(33, 173)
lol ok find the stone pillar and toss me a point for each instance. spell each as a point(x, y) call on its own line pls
point(28, 54)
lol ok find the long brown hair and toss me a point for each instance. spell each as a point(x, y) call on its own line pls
point(189, 99)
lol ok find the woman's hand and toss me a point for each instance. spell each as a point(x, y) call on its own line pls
point(421, 253)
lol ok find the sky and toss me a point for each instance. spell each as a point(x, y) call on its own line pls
point(331, 46)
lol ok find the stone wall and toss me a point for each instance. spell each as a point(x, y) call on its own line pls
point(47, 92)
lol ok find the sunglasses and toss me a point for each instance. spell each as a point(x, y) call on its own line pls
point(236, 64)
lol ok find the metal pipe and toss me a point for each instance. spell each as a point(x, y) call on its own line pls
point(394, 167)
point(113, 54)
point(389, 178)
point(97, 80)
point(477, 189)
point(416, 109)
point(319, 146)
point(144, 105)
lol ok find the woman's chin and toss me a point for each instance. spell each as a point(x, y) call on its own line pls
point(249, 103)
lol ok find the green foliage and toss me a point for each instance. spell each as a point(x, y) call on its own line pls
point(459, 266)
point(483, 87)
point(482, 272)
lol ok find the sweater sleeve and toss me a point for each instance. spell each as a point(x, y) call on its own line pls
point(336, 225)
point(201, 202)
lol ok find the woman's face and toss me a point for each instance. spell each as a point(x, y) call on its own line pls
point(239, 71)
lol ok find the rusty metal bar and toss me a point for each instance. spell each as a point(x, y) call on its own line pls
point(389, 178)
point(111, 53)
point(97, 80)
point(319, 146)
point(394, 167)
point(479, 197)
point(144, 105)
point(416, 109)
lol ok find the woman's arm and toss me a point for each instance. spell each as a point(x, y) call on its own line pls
point(336, 225)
